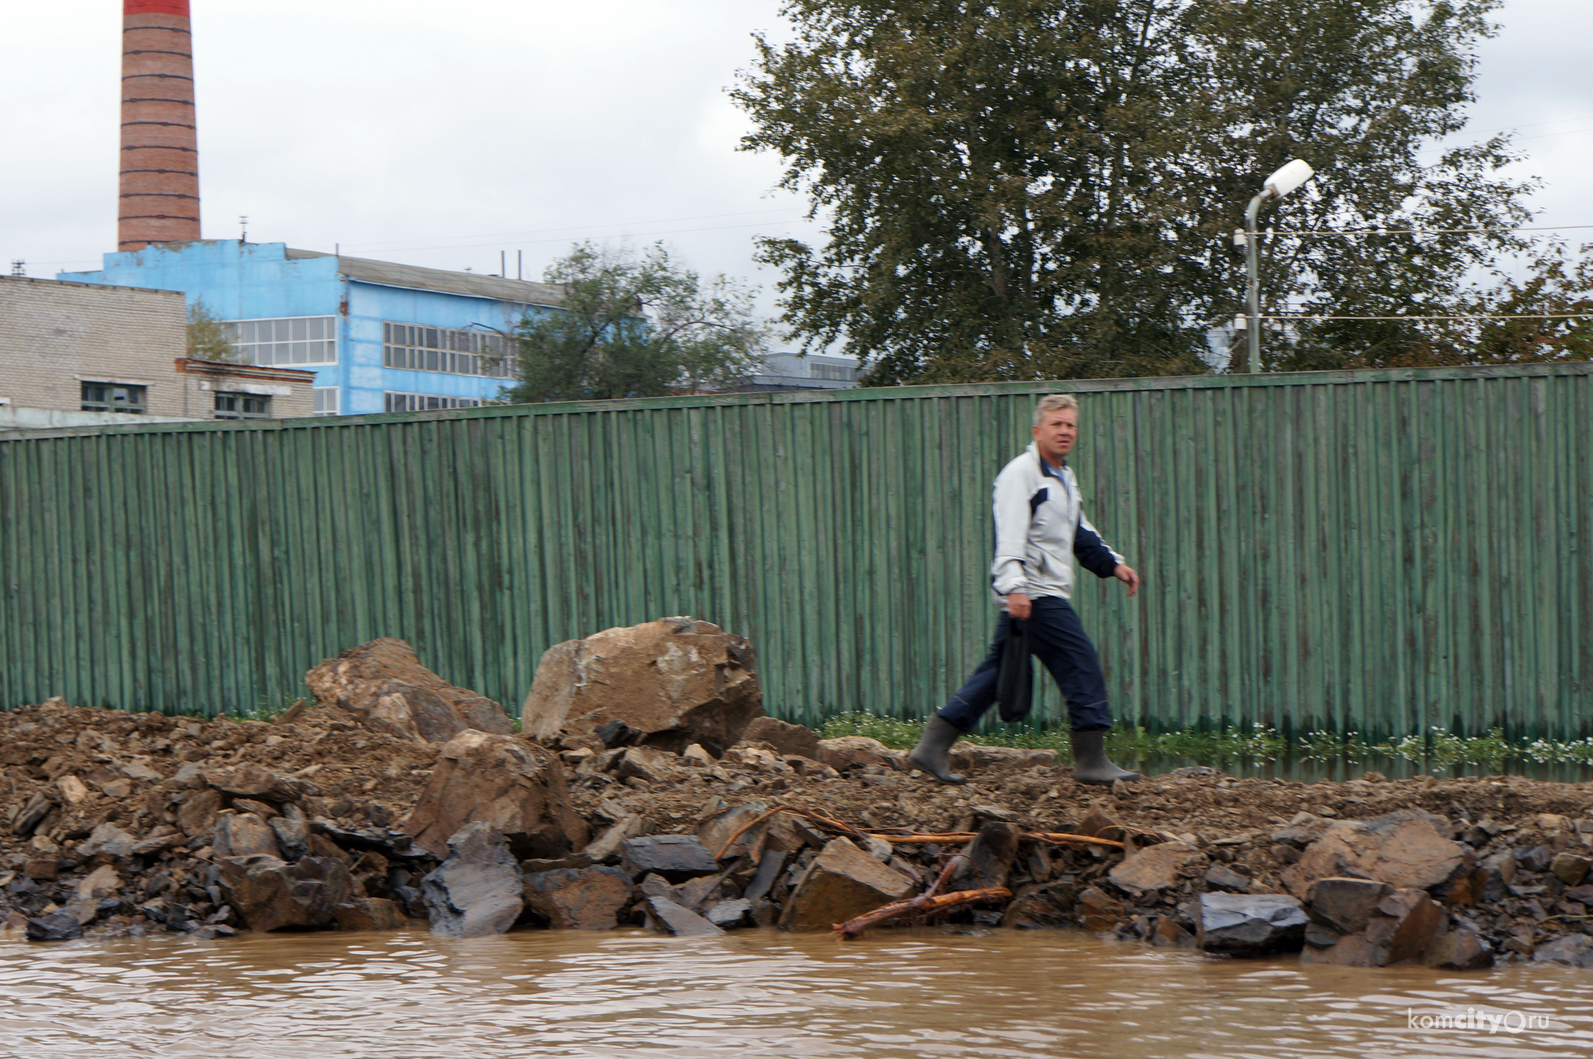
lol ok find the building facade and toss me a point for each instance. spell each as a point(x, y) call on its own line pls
point(80, 354)
point(799, 371)
point(378, 336)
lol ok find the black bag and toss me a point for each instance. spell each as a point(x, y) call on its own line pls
point(1015, 673)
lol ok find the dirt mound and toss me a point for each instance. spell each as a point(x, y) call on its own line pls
point(123, 821)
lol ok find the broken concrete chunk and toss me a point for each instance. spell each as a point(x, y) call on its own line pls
point(383, 685)
point(1250, 924)
point(584, 899)
point(728, 915)
point(675, 857)
point(477, 891)
point(842, 882)
point(255, 781)
point(1222, 877)
point(671, 683)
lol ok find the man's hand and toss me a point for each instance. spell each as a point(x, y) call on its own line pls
point(1018, 605)
point(1126, 575)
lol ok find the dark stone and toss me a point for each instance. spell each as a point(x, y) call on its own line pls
point(1569, 868)
point(1250, 924)
point(1048, 904)
point(1222, 877)
point(990, 856)
point(657, 886)
point(578, 899)
point(1098, 911)
point(1573, 950)
point(1459, 950)
point(669, 918)
point(770, 866)
point(1344, 904)
point(617, 733)
point(477, 891)
point(1538, 858)
point(675, 857)
point(268, 893)
point(57, 926)
point(727, 915)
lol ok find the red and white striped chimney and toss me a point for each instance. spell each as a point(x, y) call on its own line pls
point(160, 149)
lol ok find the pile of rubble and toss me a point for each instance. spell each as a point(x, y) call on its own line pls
point(648, 790)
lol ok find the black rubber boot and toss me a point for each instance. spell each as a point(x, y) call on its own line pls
point(930, 753)
point(1089, 759)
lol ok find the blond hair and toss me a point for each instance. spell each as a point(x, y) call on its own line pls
point(1054, 402)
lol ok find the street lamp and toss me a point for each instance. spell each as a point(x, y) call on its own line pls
point(1278, 185)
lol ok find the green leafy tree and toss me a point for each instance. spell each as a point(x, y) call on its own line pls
point(1048, 188)
point(634, 324)
point(209, 337)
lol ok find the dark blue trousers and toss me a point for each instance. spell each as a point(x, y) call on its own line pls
point(1057, 639)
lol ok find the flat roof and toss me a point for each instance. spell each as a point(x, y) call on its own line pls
point(414, 277)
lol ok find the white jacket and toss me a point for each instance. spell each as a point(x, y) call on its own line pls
point(1040, 528)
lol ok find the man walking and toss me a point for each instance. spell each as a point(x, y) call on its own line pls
point(1040, 529)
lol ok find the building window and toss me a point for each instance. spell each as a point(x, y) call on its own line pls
point(325, 401)
point(113, 397)
point(292, 340)
point(440, 349)
point(832, 372)
point(242, 406)
point(426, 402)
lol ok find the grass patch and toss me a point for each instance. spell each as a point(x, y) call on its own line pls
point(1435, 747)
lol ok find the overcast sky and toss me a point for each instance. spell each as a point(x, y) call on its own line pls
point(441, 134)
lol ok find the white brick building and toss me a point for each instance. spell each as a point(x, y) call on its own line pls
point(81, 354)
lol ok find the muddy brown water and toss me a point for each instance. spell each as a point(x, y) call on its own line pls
point(754, 994)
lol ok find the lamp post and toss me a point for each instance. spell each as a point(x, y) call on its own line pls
point(1277, 185)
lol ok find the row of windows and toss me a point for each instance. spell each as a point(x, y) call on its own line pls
point(116, 397)
point(426, 402)
point(111, 397)
point(292, 340)
point(445, 350)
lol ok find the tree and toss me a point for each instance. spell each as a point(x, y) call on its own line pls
point(208, 336)
point(634, 324)
point(1047, 188)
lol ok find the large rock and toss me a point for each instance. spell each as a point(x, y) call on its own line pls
point(1250, 924)
point(386, 688)
point(667, 917)
point(784, 737)
point(1043, 905)
point(1406, 849)
point(674, 857)
point(501, 780)
point(669, 683)
point(1573, 950)
point(1459, 950)
point(243, 835)
point(477, 891)
point(847, 750)
point(578, 899)
point(1362, 923)
point(990, 856)
point(255, 781)
point(1158, 867)
point(842, 882)
point(268, 893)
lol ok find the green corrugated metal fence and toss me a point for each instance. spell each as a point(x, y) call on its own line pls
point(1377, 551)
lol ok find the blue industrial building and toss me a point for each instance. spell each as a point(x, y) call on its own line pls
point(380, 337)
